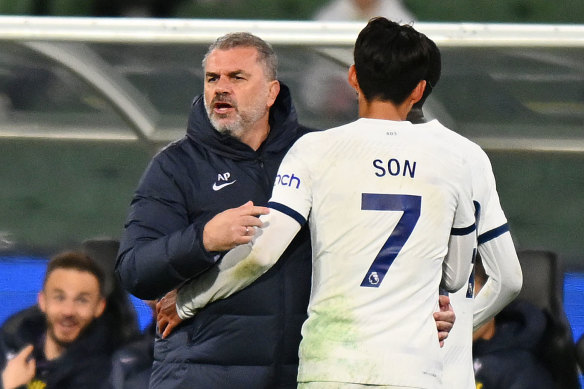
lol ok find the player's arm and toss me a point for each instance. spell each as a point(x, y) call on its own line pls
point(495, 247)
point(505, 277)
point(457, 264)
point(240, 266)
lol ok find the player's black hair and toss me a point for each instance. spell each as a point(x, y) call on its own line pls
point(416, 114)
point(390, 60)
point(434, 70)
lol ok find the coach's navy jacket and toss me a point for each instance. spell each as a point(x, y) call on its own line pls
point(250, 340)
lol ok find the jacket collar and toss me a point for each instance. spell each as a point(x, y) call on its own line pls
point(283, 129)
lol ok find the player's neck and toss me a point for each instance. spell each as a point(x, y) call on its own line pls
point(381, 109)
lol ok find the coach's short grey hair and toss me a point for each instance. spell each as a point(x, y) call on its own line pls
point(266, 54)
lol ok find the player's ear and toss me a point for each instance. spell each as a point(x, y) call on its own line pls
point(418, 92)
point(352, 78)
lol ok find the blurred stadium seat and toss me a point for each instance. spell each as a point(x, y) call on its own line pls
point(543, 282)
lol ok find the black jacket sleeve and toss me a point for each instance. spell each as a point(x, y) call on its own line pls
point(160, 247)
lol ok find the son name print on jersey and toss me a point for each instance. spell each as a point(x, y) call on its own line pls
point(394, 167)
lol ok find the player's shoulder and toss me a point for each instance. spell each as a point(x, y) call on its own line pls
point(451, 135)
point(458, 141)
point(321, 137)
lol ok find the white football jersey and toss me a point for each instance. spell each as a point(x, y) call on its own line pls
point(382, 199)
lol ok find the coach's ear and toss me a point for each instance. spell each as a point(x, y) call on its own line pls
point(273, 91)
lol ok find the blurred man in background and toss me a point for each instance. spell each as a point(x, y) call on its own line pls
point(362, 10)
point(63, 344)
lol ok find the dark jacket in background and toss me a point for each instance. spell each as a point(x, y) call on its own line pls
point(132, 364)
point(510, 360)
point(249, 340)
point(85, 364)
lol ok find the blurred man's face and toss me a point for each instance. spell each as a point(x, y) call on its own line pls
point(71, 300)
point(238, 96)
point(366, 4)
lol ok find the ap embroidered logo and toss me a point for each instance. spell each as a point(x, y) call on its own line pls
point(223, 180)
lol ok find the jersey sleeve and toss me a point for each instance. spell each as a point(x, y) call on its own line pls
point(292, 193)
point(457, 264)
point(491, 220)
point(504, 282)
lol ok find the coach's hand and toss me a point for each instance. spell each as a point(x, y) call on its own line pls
point(232, 227)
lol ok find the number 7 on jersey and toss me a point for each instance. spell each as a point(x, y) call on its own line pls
point(410, 205)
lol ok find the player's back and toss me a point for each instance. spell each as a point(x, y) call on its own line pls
point(384, 201)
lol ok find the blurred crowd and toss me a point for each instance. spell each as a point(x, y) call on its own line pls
point(514, 11)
